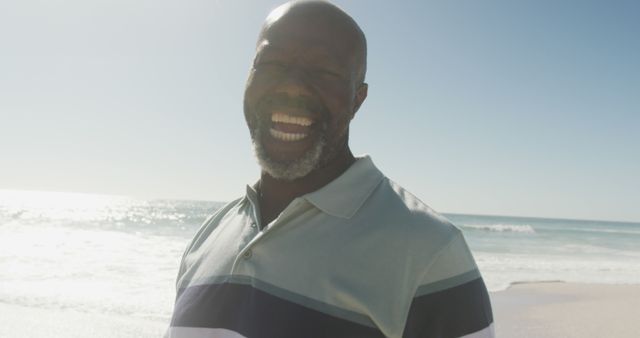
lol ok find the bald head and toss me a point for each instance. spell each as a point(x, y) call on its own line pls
point(321, 16)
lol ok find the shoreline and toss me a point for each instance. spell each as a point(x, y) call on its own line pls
point(561, 309)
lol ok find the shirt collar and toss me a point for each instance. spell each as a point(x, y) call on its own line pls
point(252, 195)
point(344, 196)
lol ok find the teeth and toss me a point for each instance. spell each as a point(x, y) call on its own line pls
point(286, 136)
point(284, 118)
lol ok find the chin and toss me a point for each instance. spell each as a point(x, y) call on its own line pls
point(288, 170)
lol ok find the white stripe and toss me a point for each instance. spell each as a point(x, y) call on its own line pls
point(487, 332)
point(200, 332)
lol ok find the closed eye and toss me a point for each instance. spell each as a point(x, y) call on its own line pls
point(326, 73)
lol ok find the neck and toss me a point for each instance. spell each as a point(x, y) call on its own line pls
point(276, 194)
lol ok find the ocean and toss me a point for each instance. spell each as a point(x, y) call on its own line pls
point(119, 255)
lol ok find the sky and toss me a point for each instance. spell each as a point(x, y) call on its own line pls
point(525, 108)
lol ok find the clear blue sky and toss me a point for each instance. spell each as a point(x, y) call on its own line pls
point(492, 107)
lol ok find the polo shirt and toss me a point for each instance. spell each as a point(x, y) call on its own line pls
point(360, 257)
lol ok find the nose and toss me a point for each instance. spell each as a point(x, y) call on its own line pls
point(294, 83)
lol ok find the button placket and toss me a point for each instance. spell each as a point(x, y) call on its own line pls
point(248, 253)
point(252, 236)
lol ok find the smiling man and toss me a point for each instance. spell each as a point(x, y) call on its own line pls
point(323, 245)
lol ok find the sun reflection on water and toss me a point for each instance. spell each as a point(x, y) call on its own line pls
point(95, 253)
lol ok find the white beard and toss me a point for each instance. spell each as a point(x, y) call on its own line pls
point(292, 170)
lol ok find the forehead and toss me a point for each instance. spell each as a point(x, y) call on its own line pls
point(308, 49)
point(322, 36)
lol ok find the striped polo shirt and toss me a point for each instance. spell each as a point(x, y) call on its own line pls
point(360, 257)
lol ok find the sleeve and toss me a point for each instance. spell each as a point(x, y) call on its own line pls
point(451, 299)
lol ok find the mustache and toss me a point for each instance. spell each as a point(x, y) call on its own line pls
point(283, 100)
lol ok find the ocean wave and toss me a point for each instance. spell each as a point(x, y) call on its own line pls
point(520, 228)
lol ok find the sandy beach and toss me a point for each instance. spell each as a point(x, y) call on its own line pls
point(527, 310)
point(567, 310)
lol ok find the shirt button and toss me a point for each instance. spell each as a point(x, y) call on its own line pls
point(247, 254)
point(253, 224)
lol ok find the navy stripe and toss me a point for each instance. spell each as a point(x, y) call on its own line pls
point(453, 312)
point(255, 313)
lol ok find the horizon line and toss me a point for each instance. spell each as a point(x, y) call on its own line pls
point(213, 201)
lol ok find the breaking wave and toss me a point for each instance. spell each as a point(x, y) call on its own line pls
point(520, 228)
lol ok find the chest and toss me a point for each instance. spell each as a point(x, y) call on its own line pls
point(329, 260)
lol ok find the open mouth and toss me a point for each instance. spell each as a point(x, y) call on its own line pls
point(290, 128)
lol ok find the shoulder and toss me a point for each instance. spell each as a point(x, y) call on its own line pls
point(437, 244)
point(212, 222)
point(398, 210)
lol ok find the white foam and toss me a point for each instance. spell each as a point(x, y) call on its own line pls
point(500, 270)
point(521, 228)
point(90, 270)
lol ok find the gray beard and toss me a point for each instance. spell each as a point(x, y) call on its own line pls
point(288, 171)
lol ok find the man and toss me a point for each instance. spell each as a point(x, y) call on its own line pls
point(323, 245)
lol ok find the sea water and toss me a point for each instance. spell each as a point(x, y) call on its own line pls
point(517, 249)
point(119, 255)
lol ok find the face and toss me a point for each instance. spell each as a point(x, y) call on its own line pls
point(302, 92)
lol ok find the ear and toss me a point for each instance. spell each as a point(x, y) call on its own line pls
point(361, 95)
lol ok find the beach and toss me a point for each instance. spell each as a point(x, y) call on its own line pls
point(86, 265)
point(552, 309)
point(567, 310)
